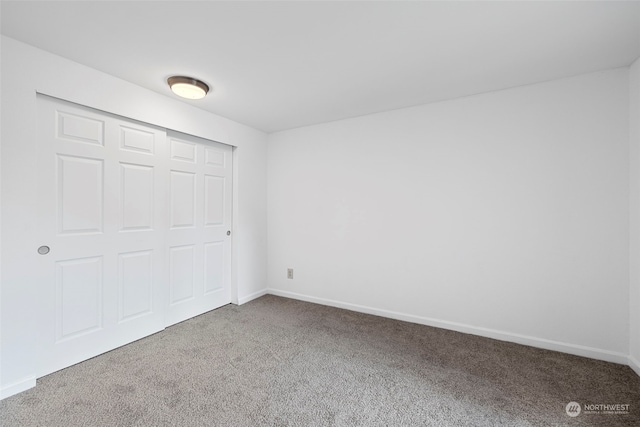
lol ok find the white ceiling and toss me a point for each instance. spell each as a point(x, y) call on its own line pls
point(280, 65)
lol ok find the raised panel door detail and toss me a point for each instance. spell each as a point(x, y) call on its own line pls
point(182, 273)
point(80, 195)
point(136, 140)
point(136, 197)
point(213, 200)
point(80, 129)
point(214, 263)
point(103, 208)
point(183, 151)
point(214, 157)
point(78, 297)
point(183, 199)
point(135, 280)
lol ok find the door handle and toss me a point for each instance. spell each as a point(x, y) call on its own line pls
point(43, 250)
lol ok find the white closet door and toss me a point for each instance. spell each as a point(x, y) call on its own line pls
point(199, 255)
point(102, 212)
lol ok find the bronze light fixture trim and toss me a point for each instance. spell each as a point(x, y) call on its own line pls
point(188, 87)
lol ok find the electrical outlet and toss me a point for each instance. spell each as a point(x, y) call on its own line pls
point(289, 273)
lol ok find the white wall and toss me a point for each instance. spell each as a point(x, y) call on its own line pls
point(25, 71)
point(503, 214)
point(634, 256)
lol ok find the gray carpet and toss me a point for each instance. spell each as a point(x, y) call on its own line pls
point(281, 362)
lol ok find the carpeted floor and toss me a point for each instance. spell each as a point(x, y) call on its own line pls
point(281, 362)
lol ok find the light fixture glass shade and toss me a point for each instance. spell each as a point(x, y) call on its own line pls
point(188, 87)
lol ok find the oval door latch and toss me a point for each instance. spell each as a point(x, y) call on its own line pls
point(43, 250)
point(228, 232)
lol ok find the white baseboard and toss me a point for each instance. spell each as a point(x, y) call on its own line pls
point(578, 350)
point(634, 364)
point(247, 298)
point(17, 387)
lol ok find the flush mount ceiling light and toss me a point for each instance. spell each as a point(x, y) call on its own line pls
point(188, 87)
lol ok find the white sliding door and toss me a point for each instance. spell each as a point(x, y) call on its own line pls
point(199, 254)
point(102, 191)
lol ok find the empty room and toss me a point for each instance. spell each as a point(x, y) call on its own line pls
point(319, 213)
